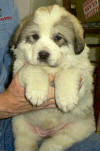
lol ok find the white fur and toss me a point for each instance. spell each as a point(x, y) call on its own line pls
point(34, 78)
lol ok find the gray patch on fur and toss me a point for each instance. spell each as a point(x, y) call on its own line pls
point(65, 27)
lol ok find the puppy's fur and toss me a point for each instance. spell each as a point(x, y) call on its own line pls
point(51, 42)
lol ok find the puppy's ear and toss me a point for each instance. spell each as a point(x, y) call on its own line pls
point(16, 38)
point(79, 44)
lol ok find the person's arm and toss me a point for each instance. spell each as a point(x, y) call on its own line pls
point(13, 101)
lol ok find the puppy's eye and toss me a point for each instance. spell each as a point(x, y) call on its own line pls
point(57, 38)
point(35, 36)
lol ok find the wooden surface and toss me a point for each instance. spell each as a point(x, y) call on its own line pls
point(97, 93)
point(92, 31)
point(96, 31)
point(67, 4)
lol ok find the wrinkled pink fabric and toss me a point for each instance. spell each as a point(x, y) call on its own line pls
point(48, 132)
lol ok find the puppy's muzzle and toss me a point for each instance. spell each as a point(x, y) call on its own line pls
point(43, 56)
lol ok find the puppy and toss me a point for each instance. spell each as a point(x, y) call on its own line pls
point(51, 41)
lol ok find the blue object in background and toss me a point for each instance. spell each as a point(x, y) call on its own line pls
point(9, 20)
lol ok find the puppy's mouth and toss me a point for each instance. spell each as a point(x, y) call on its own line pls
point(44, 59)
point(48, 63)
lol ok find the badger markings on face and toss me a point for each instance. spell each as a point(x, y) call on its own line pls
point(67, 34)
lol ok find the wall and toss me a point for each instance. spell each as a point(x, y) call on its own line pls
point(37, 3)
point(26, 7)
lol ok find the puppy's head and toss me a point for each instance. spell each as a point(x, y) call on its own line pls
point(48, 37)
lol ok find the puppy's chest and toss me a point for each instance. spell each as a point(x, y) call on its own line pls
point(46, 119)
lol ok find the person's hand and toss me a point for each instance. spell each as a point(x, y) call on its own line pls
point(17, 104)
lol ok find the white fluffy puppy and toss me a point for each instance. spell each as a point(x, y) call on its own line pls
point(51, 42)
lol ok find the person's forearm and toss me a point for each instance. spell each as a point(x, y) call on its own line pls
point(9, 106)
point(4, 110)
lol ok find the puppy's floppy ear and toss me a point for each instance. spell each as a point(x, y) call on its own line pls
point(16, 38)
point(79, 44)
point(77, 32)
point(72, 25)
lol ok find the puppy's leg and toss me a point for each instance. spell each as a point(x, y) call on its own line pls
point(66, 89)
point(18, 64)
point(36, 83)
point(25, 139)
point(72, 134)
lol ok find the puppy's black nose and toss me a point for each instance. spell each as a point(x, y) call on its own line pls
point(43, 55)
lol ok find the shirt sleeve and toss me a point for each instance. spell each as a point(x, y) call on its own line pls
point(9, 20)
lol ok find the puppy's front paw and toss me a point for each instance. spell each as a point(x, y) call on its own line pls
point(66, 103)
point(36, 96)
